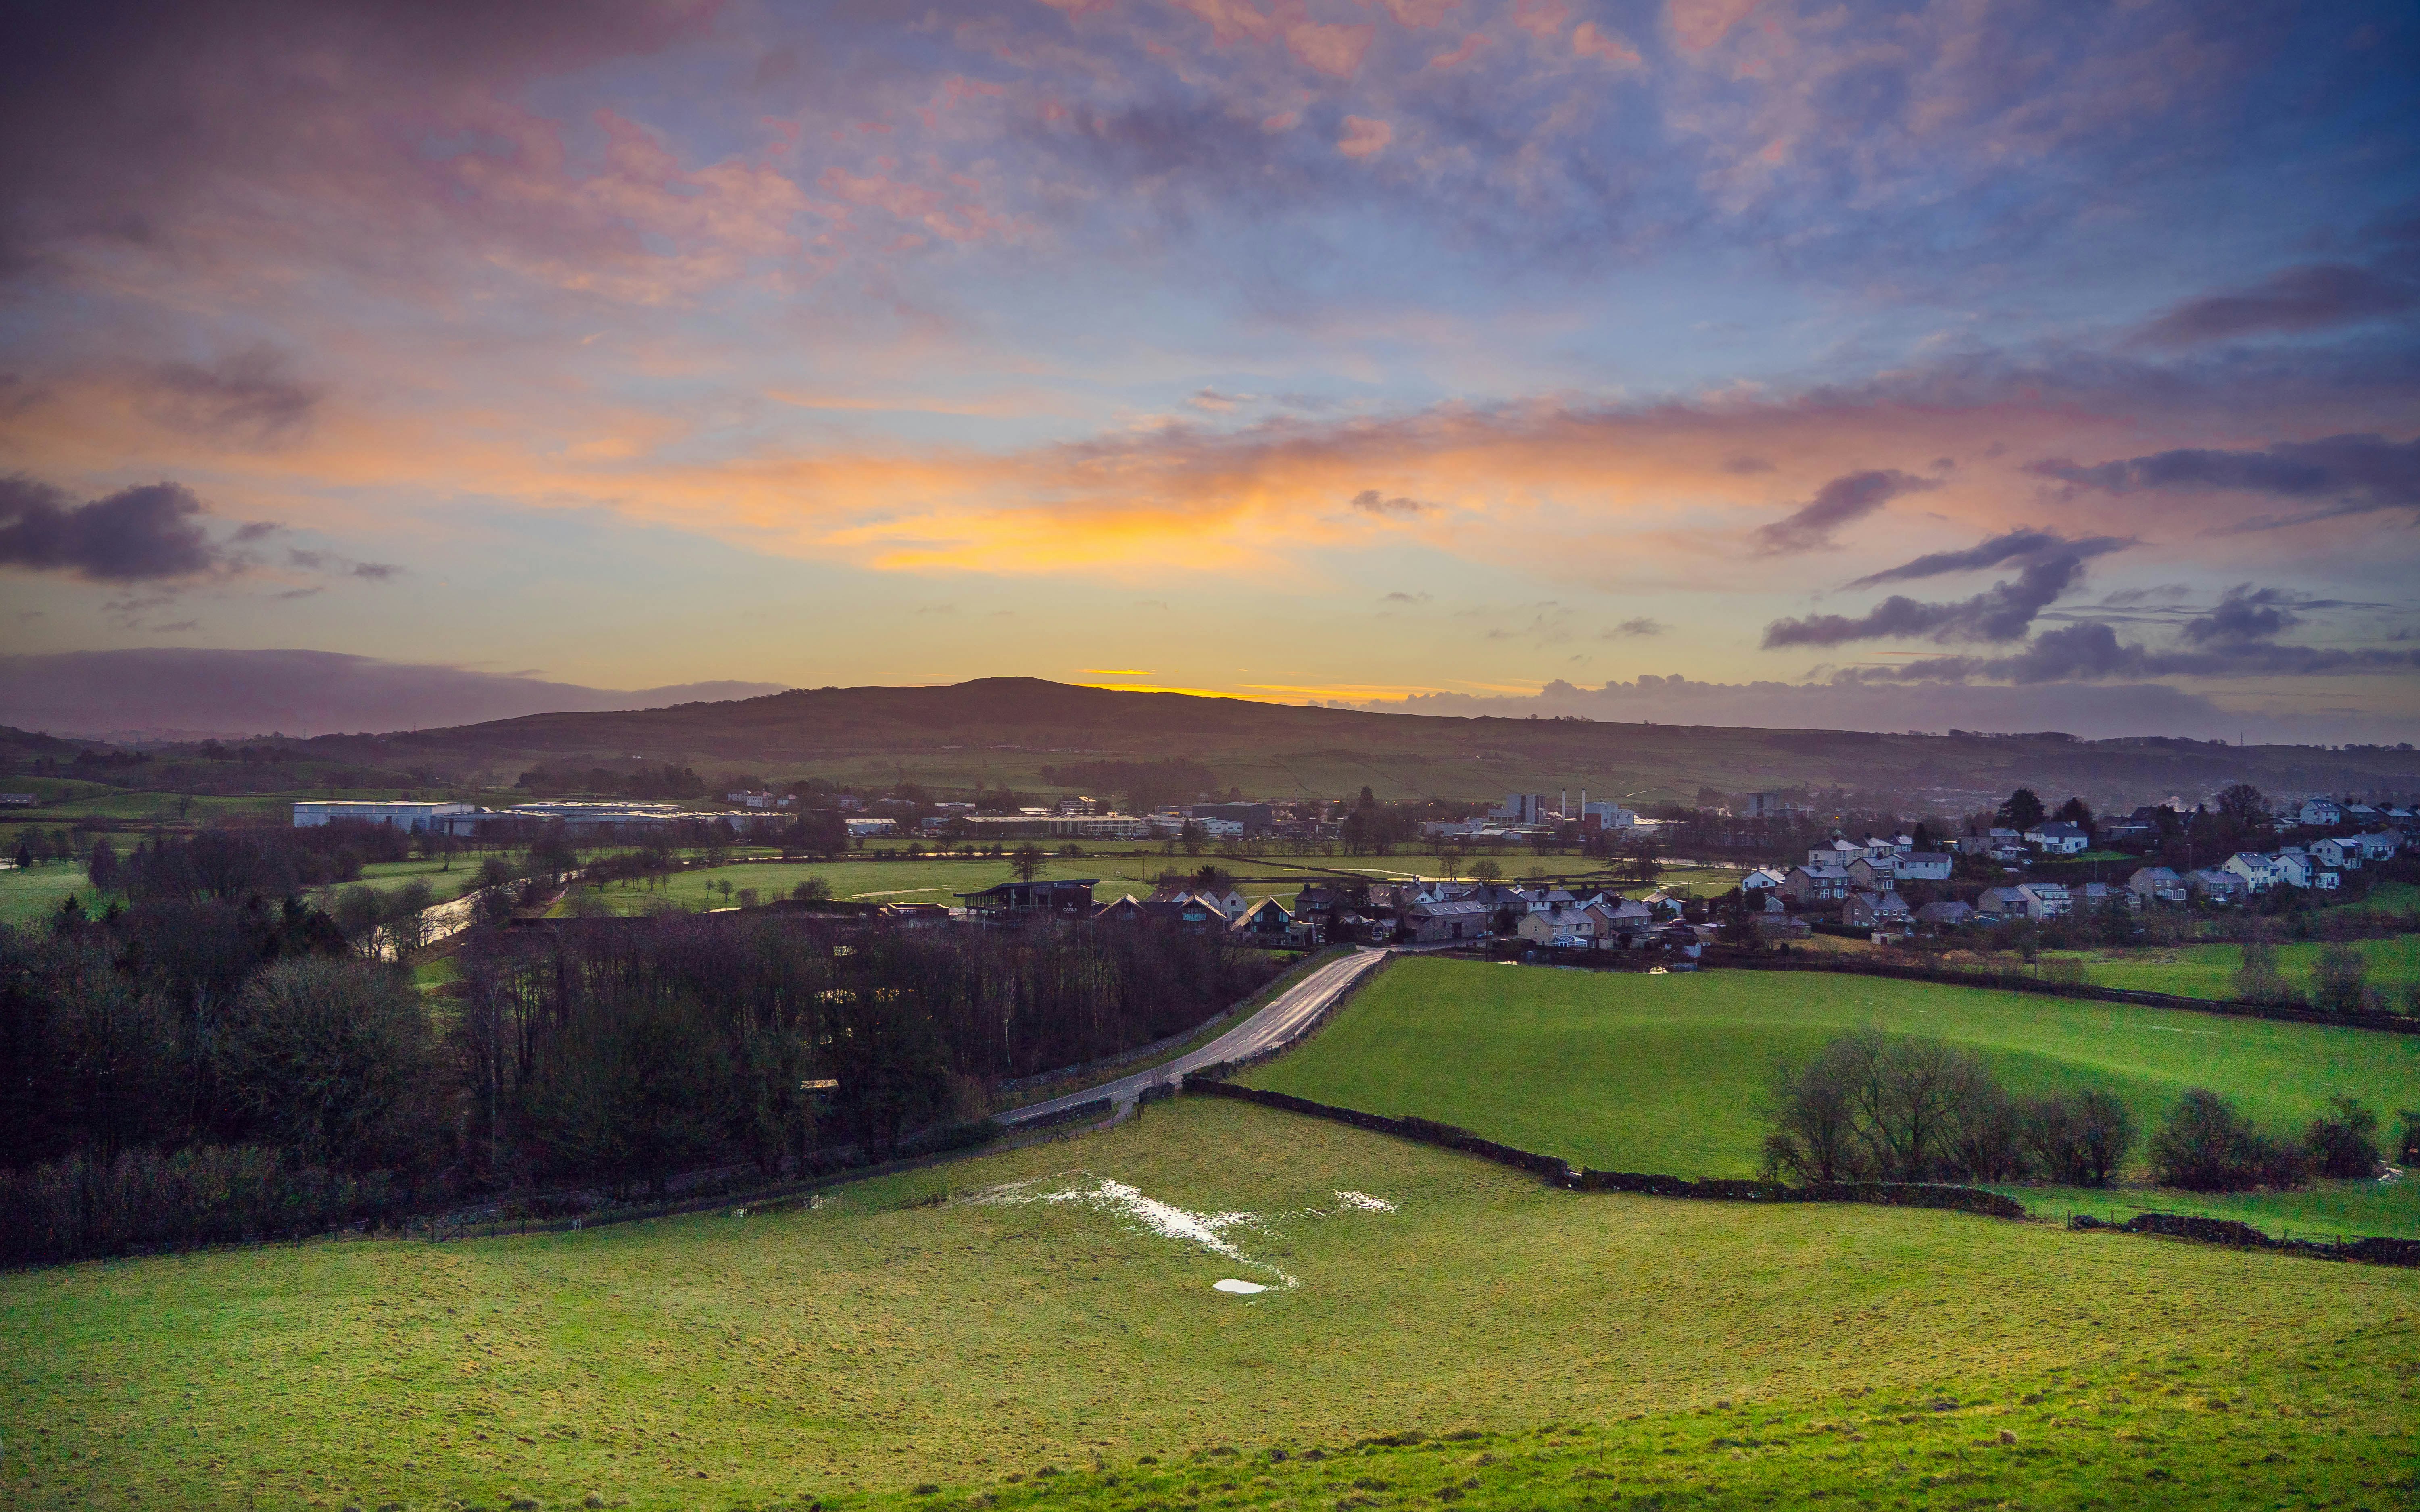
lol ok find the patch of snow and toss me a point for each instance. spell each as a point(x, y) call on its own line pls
point(1364, 1201)
point(1241, 1288)
point(1161, 1218)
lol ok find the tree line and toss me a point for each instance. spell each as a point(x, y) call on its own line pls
point(212, 1060)
point(1871, 1106)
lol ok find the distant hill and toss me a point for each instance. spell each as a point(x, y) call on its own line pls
point(1003, 730)
point(174, 693)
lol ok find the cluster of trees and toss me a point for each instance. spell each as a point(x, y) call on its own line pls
point(625, 1051)
point(1880, 1107)
point(2339, 979)
point(34, 846)
point(213, 1060)
point(644, 781)
point(235, 863)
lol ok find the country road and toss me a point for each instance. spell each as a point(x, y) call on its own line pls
point(1278, 1023)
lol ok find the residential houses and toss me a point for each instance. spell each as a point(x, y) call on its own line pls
point(1816, 883)
point(2059, 837)
point(2257, 872)
point(1871, 873)
point(2307, 871)
point(1876, 911)
point(2158, 884)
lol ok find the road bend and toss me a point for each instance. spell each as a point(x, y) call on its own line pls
point(1273, 1027)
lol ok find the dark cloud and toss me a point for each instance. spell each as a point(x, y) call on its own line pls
point(329, 562)
point(2353, 474)
point(1405, 598)
point(1642, 626)
point(1837, 502)
point(2024, 541)
point(1743, 463)
point(1370, 502)
point(133, 536)
point(2092, 652)
point(250, 398)
point(2300, 298)
point(2004, 612)
point(377, 572)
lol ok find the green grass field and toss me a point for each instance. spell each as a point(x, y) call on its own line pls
point(32, 895)
point(1626, 1072)
point(1709, 1355)
point(2208, 970)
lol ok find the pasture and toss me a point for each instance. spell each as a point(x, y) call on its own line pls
point(2208, 970)
point(1028, 1328)
point(32, 894)
point(1627, 1071)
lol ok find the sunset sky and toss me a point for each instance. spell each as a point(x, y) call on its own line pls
point(1893, 366)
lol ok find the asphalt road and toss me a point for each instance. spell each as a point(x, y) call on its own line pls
point(1284, 1018)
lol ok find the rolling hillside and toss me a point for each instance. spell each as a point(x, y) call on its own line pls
point(1006, 730)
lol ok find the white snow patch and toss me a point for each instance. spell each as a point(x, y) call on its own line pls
point(1241, 1288)
point(1364, 1201)
point(1161, 1218)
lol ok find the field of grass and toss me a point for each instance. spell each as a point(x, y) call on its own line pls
point(1627, 1071)
point(2208, 970)
point(33, 894)
point(445, 882)
point(880, 1345)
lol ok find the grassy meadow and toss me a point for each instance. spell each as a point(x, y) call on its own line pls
point(2208, 970)
point(1628, 1072)
point(30, 895)
point(953, 1331)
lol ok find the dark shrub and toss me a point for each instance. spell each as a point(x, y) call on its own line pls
point(2339, 979)
point(330, 1059)
point(2206, 1146)
point(2344, 1141)
point(2080, 1138)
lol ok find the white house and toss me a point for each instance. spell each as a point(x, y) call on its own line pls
point(1763, 879)
point(2059, 837)
point(2320, 811)
point(1835, 852)
point(2379, 844)
point(2343, 855)
point(2216, 885)
point(1924, 866)
point(2047, 900)
point(2257, 872)
point(2306, 872)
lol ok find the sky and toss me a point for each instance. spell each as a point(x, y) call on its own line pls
point(1908, 366)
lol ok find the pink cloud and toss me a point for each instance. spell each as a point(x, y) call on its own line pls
point(1286, 121)
point(1472, 43)
point(1335, 51)
point(1540, 18)
point(1231, 21)
point(1589, 42)
point(1418, 13)
point(1699, 25)
point(1364, 137)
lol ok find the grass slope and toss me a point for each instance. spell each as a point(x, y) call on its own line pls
point(856, 1350)
point(1627, 1071)
point(2208, 970)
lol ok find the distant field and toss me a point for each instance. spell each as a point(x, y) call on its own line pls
point(34, 893)
point(2208, 970)
point(1696, 1353)
point(1628, 1072)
